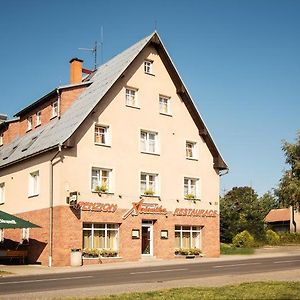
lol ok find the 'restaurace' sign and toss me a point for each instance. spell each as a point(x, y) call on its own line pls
point(145, 208)
point(99, 207)
point(190, 212)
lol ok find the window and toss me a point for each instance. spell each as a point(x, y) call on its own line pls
point(101, 180)
point(190, 150)
point(25, 234)
point(54, 109)
point(191, 190)
point(2, 193)
point(38, 118)
point(148, 64)
point(149, 184)
point(1, 139)
point(34, 184)
point(131, 97)
point(164, 105)
point(187, 236)
point(101, 135)
point(29, 123)
point(149, 141)
point(101, 236)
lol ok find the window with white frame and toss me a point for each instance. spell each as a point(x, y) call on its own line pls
point(34, 179)
point(149, 141)
point(38, 118)
point(1, 139)
point(131, 97)
point(2, 193)
point(101, 135)
point(101, 236)
point(164, 105)
point(101, 180)
point(54, 107)
point(187, 236)
point(148, 67)
point(149, 184)
point(29, 123)
point(190, 149)
point(191, 188)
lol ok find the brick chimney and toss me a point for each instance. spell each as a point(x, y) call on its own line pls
point(75, 70)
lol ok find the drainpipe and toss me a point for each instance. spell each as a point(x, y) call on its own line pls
point(51, 207)
point(293, 219)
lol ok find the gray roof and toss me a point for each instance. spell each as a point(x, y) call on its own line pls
point(58, 131)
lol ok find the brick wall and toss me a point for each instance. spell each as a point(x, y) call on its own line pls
point(67, 234)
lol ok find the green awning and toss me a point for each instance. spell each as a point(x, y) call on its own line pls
point(11, 221)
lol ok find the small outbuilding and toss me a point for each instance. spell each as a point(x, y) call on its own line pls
point(283, 220)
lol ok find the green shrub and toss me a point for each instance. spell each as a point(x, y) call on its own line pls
point(227, 249)
point(243, 239)
point(290, 238)
point(272, 237)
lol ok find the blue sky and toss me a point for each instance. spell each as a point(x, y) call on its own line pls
point(239, 59)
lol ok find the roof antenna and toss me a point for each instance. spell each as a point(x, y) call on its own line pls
point(101, 46)
point(94, 51)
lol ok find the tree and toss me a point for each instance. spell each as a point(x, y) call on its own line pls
point(241, 209)
point(289, 185)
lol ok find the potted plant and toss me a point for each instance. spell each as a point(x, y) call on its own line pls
point(149, 192)
point(101, 188)
point(190, 196)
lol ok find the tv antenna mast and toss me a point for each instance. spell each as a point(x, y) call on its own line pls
point(94, 51)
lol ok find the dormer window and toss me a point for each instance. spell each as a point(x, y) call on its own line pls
point(29, 123)
point(38, 118)
point(54, 109)
point(148, 67)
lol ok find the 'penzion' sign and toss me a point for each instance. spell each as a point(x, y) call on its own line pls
point(144, 208)
point(190, 212)
point(99, 207)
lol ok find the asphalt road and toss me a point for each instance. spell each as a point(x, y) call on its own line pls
point(86, 279)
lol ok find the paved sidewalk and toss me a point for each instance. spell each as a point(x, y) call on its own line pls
point(19, 270)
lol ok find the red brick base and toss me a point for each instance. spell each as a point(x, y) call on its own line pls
point(67, 234)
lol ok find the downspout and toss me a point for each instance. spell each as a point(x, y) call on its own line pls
point(51, 207)
point(293, 219)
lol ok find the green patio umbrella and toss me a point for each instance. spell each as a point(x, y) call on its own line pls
point(11, 221)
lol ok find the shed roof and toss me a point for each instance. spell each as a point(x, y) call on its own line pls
point(59, 131)
point(276, 215)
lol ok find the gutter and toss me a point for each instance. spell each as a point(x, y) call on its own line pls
point(51, 202)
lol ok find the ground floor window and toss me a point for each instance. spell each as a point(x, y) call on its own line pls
point(187, 236)
point(101, 236)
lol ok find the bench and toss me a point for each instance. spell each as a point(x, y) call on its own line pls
point(21, 255)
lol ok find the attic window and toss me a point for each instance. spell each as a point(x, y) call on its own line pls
point(148, 67)
point(29, 123)
point(54, 109)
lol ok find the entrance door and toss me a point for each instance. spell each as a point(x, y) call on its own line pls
point(147, 239)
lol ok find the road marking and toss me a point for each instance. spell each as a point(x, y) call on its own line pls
point(50, 279)
point(158, 271)
point(236, 265)
point(285, 261)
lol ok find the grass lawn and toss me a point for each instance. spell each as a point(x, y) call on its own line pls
point(255, 290)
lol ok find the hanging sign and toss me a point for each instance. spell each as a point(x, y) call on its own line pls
point(190, 212)
point(145, 208)
point(99, 207)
